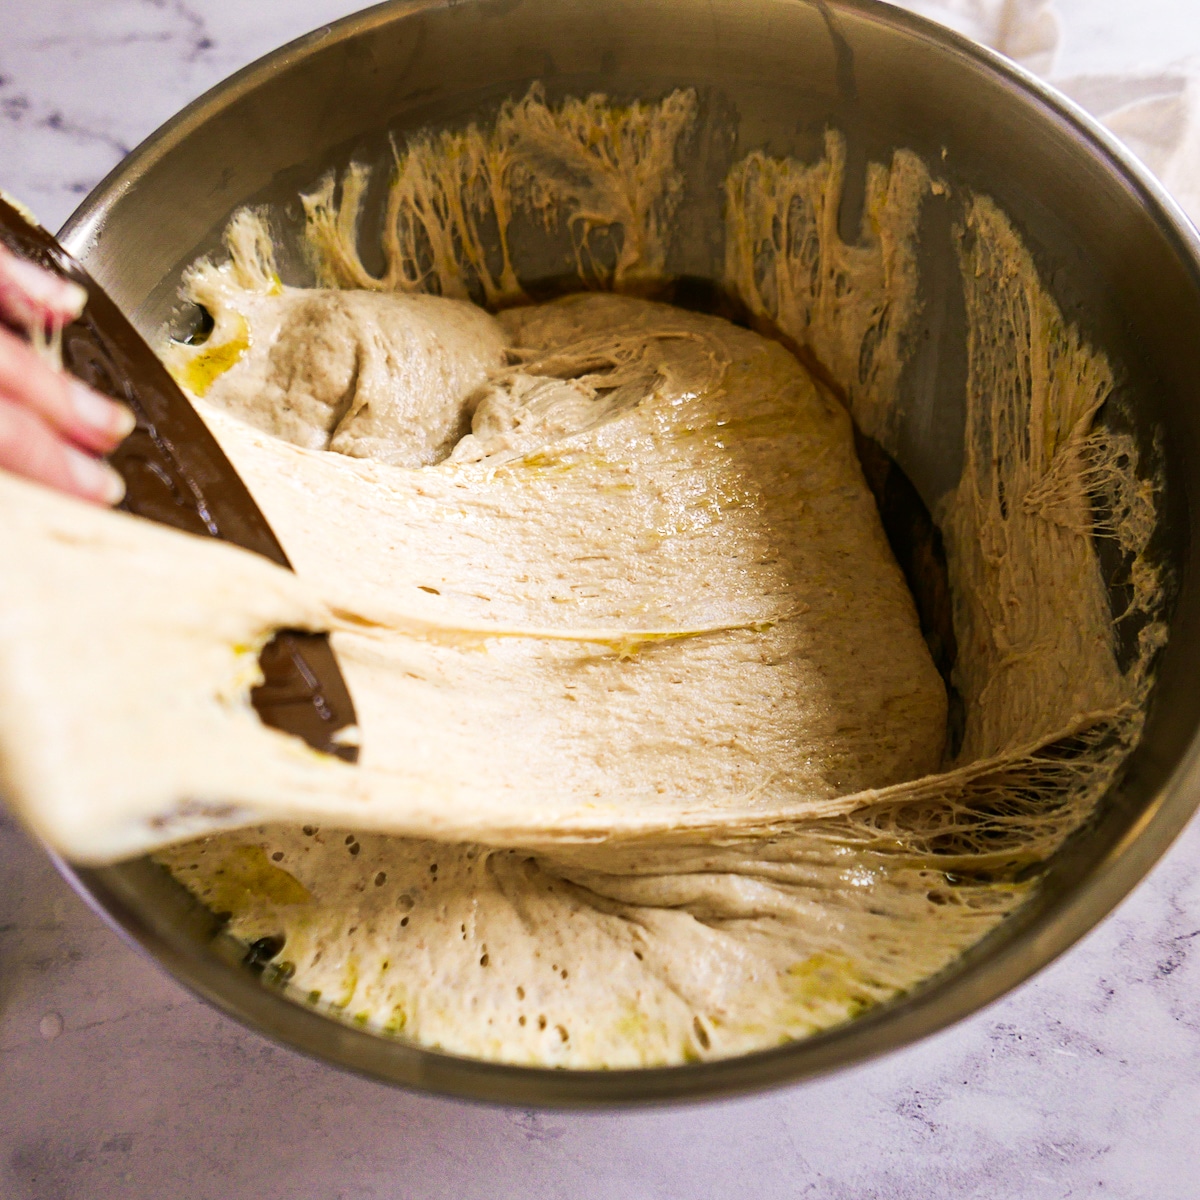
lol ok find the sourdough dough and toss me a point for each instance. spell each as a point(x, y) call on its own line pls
point(635, 465)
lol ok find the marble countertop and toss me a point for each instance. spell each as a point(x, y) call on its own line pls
point(115, 1083)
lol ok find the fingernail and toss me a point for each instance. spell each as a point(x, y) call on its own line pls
point(95, 478)
point(48, 294)
point(100, 413)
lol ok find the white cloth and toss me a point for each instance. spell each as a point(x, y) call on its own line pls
point(1028, 31)
point(1154, 111)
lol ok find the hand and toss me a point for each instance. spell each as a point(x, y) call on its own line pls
point(52, 427)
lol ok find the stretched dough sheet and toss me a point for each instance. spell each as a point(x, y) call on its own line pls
point(714, 671)
point(167, 627)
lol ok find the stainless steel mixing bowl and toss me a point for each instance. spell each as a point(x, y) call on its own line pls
point(1116, 252)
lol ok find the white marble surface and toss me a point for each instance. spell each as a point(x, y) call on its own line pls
point(115, 1083)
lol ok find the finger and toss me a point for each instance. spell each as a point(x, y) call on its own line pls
point(35, 298)
point(31, 448)
point(93, 421)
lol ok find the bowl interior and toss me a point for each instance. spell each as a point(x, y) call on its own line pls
point(774, 75)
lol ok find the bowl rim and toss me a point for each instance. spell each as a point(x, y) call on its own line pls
point(977, 978)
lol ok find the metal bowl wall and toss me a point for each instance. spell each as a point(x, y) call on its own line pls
point(1116, 253)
